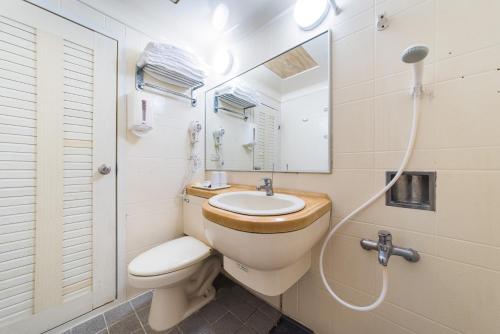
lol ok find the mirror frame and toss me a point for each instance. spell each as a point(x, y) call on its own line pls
point(330, 113)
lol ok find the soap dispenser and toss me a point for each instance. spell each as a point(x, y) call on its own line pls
point(139, 114)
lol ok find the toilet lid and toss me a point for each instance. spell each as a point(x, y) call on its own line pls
point(171, 256)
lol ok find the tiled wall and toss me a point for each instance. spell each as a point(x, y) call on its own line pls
point(151, 169)
point(455, 288)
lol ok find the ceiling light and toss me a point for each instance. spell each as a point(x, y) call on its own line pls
point(223, 61)
point(220, 17)
point(310, 13)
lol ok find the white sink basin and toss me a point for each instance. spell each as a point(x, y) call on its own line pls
point(257, 203)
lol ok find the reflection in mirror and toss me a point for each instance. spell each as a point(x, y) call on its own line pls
point(275, 116)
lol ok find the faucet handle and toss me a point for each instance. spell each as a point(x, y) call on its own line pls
point(384, 237)
point(267, 180)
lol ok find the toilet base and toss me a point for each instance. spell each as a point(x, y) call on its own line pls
point(171, 306)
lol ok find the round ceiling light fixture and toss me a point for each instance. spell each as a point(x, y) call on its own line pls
point(220, 17)
point(223, 61)
point(310, 13)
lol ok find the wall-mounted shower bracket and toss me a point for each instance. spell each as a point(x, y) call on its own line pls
point(382, 21)
point(386, 249)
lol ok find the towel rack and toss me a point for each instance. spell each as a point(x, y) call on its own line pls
point(236, 101)
point(141, 84)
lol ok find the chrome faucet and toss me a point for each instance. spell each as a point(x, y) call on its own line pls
point(386, 249)
point(267, 186)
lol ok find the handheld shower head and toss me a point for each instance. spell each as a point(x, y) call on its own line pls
point(415, 55)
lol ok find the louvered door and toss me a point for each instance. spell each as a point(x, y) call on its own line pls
point(57, 126)
point(266, 152)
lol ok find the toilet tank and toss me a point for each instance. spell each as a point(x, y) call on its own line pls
point(192, 218)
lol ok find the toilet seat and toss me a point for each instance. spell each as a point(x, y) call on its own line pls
point(169, 257)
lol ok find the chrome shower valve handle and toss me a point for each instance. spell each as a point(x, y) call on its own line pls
point(386, 249)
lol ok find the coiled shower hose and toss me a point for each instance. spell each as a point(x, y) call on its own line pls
point(404, 163)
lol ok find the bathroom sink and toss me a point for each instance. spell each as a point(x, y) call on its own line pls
point(257, 203)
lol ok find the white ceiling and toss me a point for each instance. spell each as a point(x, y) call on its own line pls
point(191, 19)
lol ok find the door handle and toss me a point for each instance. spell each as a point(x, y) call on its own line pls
point(104, 170)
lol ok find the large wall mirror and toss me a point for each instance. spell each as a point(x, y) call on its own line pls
point(276, 116)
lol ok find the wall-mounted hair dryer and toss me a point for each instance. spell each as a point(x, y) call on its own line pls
point(218, 134)
point(415, 55)
point(194, 131)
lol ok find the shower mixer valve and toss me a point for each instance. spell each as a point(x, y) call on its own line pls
point(385, 248)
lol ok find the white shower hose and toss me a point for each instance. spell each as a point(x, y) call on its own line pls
point(404, 163)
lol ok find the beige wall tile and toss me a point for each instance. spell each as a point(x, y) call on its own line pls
point(363, 274)
point(353, 127)
point(472, 295)
point(353, 160)
point(487, 158)
point(413, 285)
point(480, 61)
point(467, 111)
point(354, 24)
point(353, 93)
point(393, 121)
point(411, 320)
point(406, 28)
point(352, 59)
point(468, 206)
point(469, 252)
point(466, 26)
point(420, 160)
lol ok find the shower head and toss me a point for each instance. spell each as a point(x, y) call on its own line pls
point(414, 54)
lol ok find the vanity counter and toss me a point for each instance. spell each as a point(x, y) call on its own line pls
point(316, 205)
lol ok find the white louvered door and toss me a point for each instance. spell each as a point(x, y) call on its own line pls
point(266, 152)
point(57, 126)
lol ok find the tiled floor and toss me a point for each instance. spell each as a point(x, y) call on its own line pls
point(234, 310)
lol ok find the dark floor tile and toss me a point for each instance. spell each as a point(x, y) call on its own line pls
point(228, 298)
point(213, 311)
point(254, 300)
point(228, 324)
point(243, 310)
point(91, 326)
point(143, 314)
point(128, 325)
point(149, 330)
point(66, 332)
point(222, 281)
point(142, 300)
point(270, 311)
point(245, 330)
point(195, 324)
point(289, 326)
point(118, 313)
point(138, 331)
point(261, 323)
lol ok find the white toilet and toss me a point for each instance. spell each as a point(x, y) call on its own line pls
point(181, 272)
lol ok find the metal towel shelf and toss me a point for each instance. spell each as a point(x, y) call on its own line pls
point(171, 78)
point(235, 101)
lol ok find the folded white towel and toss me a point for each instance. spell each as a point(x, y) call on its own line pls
point(240, 91)
point(159, 60)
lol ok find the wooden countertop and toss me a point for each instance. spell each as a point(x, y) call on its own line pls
point(317, 204)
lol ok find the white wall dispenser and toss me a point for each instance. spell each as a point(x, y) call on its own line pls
point(140, 116)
